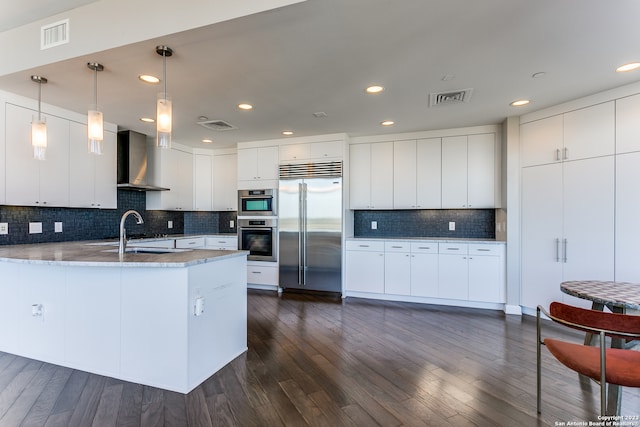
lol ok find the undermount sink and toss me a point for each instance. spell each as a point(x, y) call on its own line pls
point(141, 250)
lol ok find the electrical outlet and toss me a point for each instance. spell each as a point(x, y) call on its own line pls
point(169, 224)
point(231, 223)
point(57, 227)
point(452, 226)
point(374, 225)
point(4, 228)
point(35, 228)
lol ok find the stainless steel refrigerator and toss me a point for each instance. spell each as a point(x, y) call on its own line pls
point(310, 226)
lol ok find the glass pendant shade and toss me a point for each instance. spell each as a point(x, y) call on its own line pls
point(39, 138)
point(163, 121)
point(95, 131)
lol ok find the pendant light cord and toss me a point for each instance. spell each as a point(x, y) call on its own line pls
point(39, 100)
point(164, 72)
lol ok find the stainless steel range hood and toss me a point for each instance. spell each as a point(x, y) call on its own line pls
point(132, 162)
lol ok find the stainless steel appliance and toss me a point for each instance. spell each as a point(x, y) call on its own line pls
point(310, 223)
point(259, 237)
point(257, 202)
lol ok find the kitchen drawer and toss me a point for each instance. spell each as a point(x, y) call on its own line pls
point(453, 248)
point(365, 245)
point(221, 243)
point(396, 246)
point(262, 274)
point(483, 249)
point(144, 243)
point(191, 243)
point(424, 247)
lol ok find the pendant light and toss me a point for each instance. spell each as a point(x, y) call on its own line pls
point(163, 110)
point(95, 124)
point(39, 126)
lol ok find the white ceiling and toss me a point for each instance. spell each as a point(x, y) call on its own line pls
point(319, 55)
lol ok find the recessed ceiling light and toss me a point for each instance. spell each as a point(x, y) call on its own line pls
point(147, 78)
point(374, 89)
point(287, 132)
point(519, 103)
point(245, 106)
point(628, 67)
point(207, 141)
point(387, 123)
point(147, 120)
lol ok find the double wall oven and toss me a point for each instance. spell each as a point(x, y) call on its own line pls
point(258, 224)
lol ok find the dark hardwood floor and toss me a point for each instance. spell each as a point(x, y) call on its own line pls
point(322, 362)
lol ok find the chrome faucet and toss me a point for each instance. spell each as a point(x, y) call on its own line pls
point(123, 234)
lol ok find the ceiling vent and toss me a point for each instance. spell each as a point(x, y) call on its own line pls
point(55, 34)
point(217, 125)
point(450, 97)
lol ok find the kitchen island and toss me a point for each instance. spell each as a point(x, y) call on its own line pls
point(168, 320)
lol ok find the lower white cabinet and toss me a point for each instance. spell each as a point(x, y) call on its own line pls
point(190, 243)
point(472, 272)
point(365, 266)
point(224, 243)
point(262, 273)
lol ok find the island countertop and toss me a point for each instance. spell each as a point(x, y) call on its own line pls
point(102, 254)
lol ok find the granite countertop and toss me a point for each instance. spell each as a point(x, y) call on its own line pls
point(431, 239)
point(102, 254)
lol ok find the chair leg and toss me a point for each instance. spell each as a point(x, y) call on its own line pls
point(538, 364)
point(603, 374)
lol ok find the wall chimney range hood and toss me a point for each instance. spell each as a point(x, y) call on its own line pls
point(132, 162)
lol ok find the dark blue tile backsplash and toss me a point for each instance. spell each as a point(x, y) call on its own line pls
point(469, 223)
point(96, 224)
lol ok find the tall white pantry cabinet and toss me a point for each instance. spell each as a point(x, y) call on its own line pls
point(579, 199)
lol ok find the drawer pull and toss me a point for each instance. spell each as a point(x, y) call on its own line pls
point(396, 247)
point(424, 247)
point(453, 249)
point(256, 272)
point(483, 250)
point(363, 246)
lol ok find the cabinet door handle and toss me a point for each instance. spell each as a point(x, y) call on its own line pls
point(566, 154)
point(565, 244)
point(557, 250)
point(558, 154)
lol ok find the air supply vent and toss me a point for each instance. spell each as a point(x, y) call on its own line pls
point(450, 97)
point(217, 125)
point(55, 34)
point(311, 170)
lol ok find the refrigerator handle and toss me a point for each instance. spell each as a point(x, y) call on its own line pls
point(304, 234)
point(300, 236)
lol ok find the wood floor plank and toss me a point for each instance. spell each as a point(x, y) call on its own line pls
point(40, 410)
point(197, 410)
point(130, 411)
point(108, 406)
point(16, 386)
point(87, 403)
point(25, 401)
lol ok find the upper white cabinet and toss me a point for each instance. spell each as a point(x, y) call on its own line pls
point(225, 184)
point(92, 178)
point(314, 151)
point(174, 171)
point(256, 165)
point(203, 182)
point(627, 124)
point(580, 134)
point(417, 174)
point(371, 176)
point(469, 171)
point(31, 182)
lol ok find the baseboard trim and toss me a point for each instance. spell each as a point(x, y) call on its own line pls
point(513, 309)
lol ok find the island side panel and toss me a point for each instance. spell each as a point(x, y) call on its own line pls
point(92, 320)
point(219, 334)
point(154, 327)
point(9, 306)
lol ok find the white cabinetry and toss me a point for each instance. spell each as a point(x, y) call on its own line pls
point(225, 182)
point(627, 124)
point(176, 173)
point(417, 174)
point(262, 273)
point(314, 151)
point(567, 226)
point(486, 273)
point(397, 268)
point(191, 243)
point(203, 182)
point(224, 243)
point(31, 182)
point(580, 134)
point(424, 269)
point(371, 176)
point(92, 178)
point(627, 227)
point(365, 266)
point(257, 165)
point(468, 171)
point(453, 271)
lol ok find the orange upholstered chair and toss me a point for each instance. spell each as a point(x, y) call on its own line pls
point(605, 365)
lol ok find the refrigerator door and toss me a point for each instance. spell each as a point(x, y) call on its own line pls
point(290, 231)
